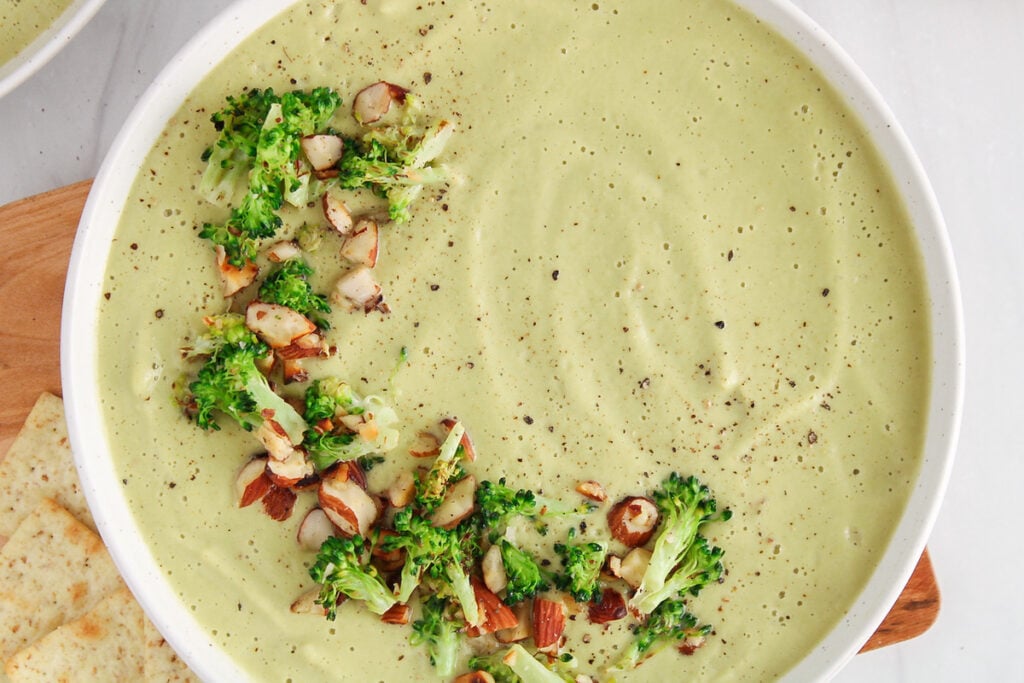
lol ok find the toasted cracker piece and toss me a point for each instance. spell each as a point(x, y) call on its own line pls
point(162, 664)
point(105, 644)
point(39, 465)
point(53, 569)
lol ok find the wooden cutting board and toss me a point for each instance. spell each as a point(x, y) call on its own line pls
point(36, 235)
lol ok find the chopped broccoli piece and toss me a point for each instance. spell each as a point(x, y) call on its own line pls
point(700, 566)
point(394, 161)
point(342, 567)
point(685, 506)
point(327, 441)
point(581, 564)
point(529, 669)
point(494, 665)
point(525, 577)
point(439, 633)
point(497, 503)
point(431, 488)
point(231, 383)
point(669, 623)
point(268, 156)
point(288, 286)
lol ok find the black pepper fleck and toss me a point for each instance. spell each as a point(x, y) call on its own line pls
point(720, 324)
point(134, 246)
point(427, 77)
point(812, 438)
point(554, 274)
point(434, 288)
point(825, 291)
point(159, 313)
point(527, 419)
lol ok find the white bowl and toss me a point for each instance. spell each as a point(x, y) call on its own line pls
point(84, 288)
point(46, 44)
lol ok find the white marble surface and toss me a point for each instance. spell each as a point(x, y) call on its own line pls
point(953, 72)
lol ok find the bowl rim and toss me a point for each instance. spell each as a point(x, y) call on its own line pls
point(47, 44)
point(79, 351)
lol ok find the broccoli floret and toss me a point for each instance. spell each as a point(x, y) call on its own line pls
point(330, 397)
point(525, 577)
point(493, 664)
point(440, 556)
point(268, 157)
point(670, 623)
point(685, 506)
point(231, 383)
point(439, 633)
point(497, 503)
point(446, 468)
point(581, 564)
point(342, 567)
point(289, 286)
point(529, 669)
point(700, 566)
point(394, 161)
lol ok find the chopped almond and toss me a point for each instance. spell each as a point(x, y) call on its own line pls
point(306, 346)
point(350, 470)
point(612, 607)
point(493, 569)
point(398, 613)
point(348, 506)
point(548, 624)
point(278, 503)
point(426, 445)
point(494, 614)
point(361, 245)
point(322, 151)
point(290, 471)
point(374, 101)
point(691, 644)
point(459, 503)
point(273, 437)
point(475, 677)
point(337, 214)
point(467, 443)
point(387, 560)
point(520, 631)
point(293, 371)
point(233, 278)
point(359, 291)
point(307, 603)
point(279, 252)
point(402, 490)
point(316, 528)
point(592, 490)
point(277, 325)
point(634, 566)
point(633, 519)
point(252, 482)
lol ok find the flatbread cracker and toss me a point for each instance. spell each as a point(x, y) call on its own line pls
point(162, 664)
point(39, 465)
point(52, 570)
point(105, 644)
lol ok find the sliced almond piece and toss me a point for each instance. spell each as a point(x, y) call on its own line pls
point(548, 624)
point(278, 503)
point(374, 101)
point(494, 614)
point(612, 607)
point(307, 604)
point(337, 214)
point(402, 489)
point(277, 325)
point(426, 445)
point(475, 677)
point(361, 244)
point(387, 560)
point(292, 470)
point(634, 566)
point(351, 508)
point(592, 490)
point(252, 482)
point(273, 437)
point(315, 528)
point(359, 291)
point(322, 151)
point(351, 471)
point(232, 278)
point(279, 252)
point(632, 520)
point(459, 503)
point(521, 631)
point(493, 569)
point(398, 613)
point(293, 371)
point(306, 346)
point(467, 443)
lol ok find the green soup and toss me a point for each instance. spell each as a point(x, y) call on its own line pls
point(669, 246)
point(22, 21)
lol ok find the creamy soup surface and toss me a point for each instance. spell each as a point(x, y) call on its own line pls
point(669, 246)
point(22, 21)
